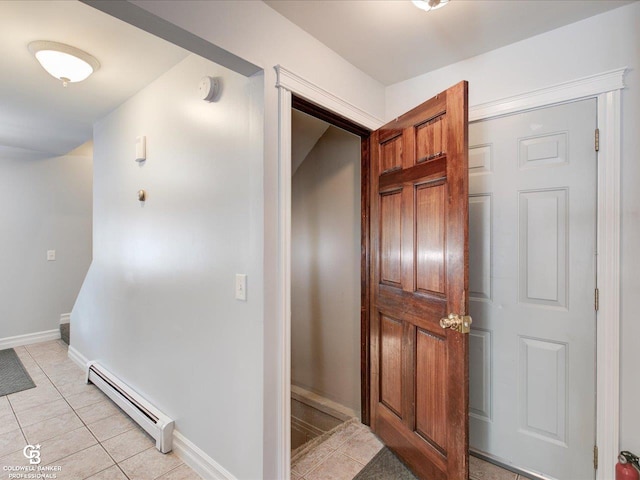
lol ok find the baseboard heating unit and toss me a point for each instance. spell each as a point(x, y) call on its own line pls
point(155, 423)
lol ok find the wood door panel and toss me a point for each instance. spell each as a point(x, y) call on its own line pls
point(412, 304)
point(412, 448)
point(424, 172)
point(431, 389)
point(431, 140)
point(430, 241)
point(391, 364)
point(429, 325)
point(391, 238)
point(419, 274)
point(391, 155)
point(429, 110)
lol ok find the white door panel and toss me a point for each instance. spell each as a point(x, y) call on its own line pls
point(532, 226)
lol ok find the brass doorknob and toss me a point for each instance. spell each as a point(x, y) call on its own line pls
point(458, 323)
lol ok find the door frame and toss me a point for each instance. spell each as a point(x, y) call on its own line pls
point(364, 133)
point(290, 84)
point(605, 87)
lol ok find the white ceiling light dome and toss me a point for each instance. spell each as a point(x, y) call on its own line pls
point(427, 5)
point(64, 62)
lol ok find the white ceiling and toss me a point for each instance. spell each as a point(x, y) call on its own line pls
point(37, 113)
point(392, 40)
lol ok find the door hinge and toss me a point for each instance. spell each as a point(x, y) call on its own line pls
point(596, 299)
point(595, 457)
point(597, 140)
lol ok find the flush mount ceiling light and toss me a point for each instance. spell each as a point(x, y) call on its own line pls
point(64, 62)
point(427, 5)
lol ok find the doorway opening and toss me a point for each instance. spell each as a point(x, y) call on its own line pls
point(328, 264)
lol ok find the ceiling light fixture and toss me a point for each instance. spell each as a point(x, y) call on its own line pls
point(64, 62)
point(427, 5)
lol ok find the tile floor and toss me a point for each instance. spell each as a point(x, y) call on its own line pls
point(78, 427)
point(89, 437)
point(346, 452)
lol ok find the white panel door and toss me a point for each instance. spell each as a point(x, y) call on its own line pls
point(532, 241)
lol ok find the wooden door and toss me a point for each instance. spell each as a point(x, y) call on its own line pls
point(419, 274)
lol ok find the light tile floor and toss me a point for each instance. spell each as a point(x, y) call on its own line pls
point(346, 452)
point(78, 427)
point(89, 437)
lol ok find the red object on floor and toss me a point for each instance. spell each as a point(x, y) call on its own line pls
point(627, 467)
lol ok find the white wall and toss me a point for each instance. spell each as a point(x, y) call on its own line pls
point(45, 205)
point(252, 30)
point(157, 307)
point(325, 270)
point(598, 44)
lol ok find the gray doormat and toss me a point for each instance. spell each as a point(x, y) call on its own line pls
point(385, 466)
point(13, 376)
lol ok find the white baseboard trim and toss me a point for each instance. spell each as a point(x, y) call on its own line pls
point(29, 338)
point(200, 462)
point(76, 357)
point(321, 403)
point(65, 318)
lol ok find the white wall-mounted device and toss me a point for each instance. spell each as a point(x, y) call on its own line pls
point(141, 148)
point(241, 287)
point(208, 88)
point(152, 420)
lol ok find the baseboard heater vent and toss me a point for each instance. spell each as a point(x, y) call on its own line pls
point(155, 423)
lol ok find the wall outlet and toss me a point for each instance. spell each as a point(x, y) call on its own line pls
point(51, 255)
point(241, 287)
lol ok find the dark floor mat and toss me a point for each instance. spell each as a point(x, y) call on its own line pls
point(385, 466)
point(13, 376)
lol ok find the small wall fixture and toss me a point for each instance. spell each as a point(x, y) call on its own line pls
point(142, 195)
point(427, 5)
point(208, 88)
point(141, 149)
point(64, 62)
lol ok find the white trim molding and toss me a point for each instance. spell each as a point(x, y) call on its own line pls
point(65, 318)
point(29, 338)
point(587, 87)
point(608, 284)
point(604, 87)
point(200, 462)
point(289, 83)
point(294, 83)
point(76, 357)
point(284, 279)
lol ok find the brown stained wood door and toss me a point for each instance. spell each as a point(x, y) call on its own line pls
point(419, 274)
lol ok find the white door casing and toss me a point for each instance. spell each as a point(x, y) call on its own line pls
point(606, 88)
point(532, 280)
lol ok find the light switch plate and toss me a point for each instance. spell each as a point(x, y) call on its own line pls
point(241, 286)
point(51, 255)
